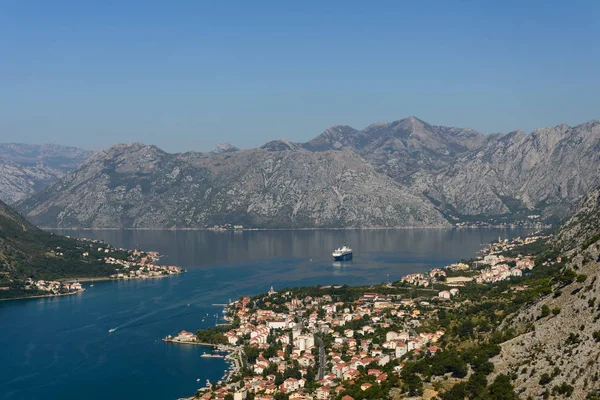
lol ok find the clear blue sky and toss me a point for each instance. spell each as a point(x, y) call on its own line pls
point(186, 75)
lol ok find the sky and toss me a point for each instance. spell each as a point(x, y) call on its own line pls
point(187, 75)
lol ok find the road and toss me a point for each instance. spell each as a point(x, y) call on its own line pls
point(322, 358)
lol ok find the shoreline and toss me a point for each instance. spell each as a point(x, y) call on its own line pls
point(509, 226)
point(98, 279)
point(108, 278)
point(44, 295)
point(194, 343)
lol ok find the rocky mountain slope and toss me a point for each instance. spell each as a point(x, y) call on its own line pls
point(401, 148)
point(556, 352)
point(410, 164)
point(26, 168)
point(279, 185)
point(467, 174)
point(545, 171)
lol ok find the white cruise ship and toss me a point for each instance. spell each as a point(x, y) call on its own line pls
point(343, 253)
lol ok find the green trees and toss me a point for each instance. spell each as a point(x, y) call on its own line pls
point(212, 336)
point(545, 311)
point(502, 389)
point(413, 385)
point(563, 389)
point(545, 379)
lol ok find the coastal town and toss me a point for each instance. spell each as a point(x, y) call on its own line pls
point(139, 265)
point(119, 263)
point(340, 342)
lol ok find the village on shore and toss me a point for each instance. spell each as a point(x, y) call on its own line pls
point(128, 264)
point(329, 342)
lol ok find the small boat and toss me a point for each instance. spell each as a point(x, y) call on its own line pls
point(188, 304)
point(112, 330)
point(198, 380)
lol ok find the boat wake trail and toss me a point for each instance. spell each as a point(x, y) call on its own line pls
point(147, 320)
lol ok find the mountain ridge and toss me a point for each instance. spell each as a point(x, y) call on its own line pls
point(27, 168)
point(458, 173)
point(141, 186)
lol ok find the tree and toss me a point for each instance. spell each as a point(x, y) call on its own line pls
point(412, 383)
point(502, 389)
point(458, 392)
point(545, 379)
point(545, 310)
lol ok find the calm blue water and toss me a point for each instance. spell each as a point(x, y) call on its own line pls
point(60, 347)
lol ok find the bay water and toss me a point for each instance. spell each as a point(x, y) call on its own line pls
point(61, 348)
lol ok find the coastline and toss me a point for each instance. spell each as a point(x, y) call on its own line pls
point(45, 295)
point(375, 228)
point(194, 343)
point(108, 278)
point(98, 279)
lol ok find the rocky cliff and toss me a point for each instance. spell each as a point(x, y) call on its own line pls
point(558, 352)
point(280, 185)
point(543, 172)
point(467, 174)
point(26, 168)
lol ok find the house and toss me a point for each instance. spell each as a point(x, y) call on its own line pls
point(454, 291)
point(365, 386)
point(241, 394)
point(185, 336)
point(432, 350)
point(401, 349)
point(231, 338)
point(277, 324)
point(291, 384)
point(445, 294)
point(351, 374)
point(322, 393)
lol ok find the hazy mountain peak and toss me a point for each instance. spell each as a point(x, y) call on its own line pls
point(414, 120)
point(25, 168)
point(130, 148)
point(223, 148)
point(280, 145)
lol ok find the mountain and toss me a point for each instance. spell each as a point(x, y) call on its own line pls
point(223, 148)
point(280, 185)
point(468, 175)
point(401, 148)
point(556, 348)
point(459, 173)
point(28, 252)
point(25, 168)
point(543, 172)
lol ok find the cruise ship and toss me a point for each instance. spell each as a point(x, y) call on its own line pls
point(343, 253)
